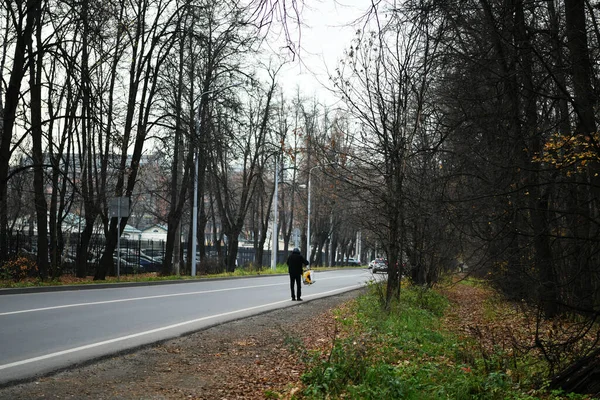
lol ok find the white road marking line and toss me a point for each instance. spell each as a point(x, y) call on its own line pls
point(149, 332)
point(133, 299)
point(146, 298)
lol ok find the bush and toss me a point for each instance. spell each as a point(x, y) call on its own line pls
point(211, 266)
point(18, 268)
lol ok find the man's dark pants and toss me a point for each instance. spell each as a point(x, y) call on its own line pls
point(296, 279)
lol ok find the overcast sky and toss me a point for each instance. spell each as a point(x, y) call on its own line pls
point(324, 35)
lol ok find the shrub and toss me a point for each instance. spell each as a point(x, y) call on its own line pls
point(210, 266)
point(18, 269)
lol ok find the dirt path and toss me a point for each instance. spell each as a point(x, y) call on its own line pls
point(239, 360)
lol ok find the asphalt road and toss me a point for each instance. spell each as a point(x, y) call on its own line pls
point(43, 332)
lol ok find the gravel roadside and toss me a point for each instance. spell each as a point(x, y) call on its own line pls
point(244, 359)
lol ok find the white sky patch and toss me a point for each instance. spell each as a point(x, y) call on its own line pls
point(327, 30)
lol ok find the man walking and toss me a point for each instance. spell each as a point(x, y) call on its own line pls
point(295, 263)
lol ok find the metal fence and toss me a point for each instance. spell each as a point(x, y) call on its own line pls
point(131, 252)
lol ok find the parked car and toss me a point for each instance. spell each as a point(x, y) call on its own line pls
point(150, 264)
point(353, 262)
point(185, 256)
point(126, 267)
point(144, 263)
point(156, 254)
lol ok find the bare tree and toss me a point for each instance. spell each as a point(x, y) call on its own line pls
point(179, 185)
point(382, 82)
point(150, 43)
point(218, 39)
point(236, 171)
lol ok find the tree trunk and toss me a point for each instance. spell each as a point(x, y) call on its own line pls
point(23, 36)
point(41, 206)
point(81, 260)
point(584, 102)
point(178, 188)
point(232, 250)
point(538, 199)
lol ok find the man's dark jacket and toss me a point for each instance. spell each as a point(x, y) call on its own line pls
point(295, 262)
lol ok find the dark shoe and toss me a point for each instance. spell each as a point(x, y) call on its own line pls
point(299, 299)
point(293, 299)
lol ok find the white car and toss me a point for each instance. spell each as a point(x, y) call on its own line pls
point(378, 265)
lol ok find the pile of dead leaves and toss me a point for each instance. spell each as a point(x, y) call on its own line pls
point(74, 280)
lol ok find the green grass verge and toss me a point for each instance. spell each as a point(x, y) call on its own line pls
point(406, 353)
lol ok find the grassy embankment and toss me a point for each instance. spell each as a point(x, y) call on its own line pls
point(420, 349)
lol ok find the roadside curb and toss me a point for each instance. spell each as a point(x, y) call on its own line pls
point(116, 285)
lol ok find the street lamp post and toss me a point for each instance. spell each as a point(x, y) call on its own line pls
point(274, 248)
point(195, 213)
point(308, 243)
